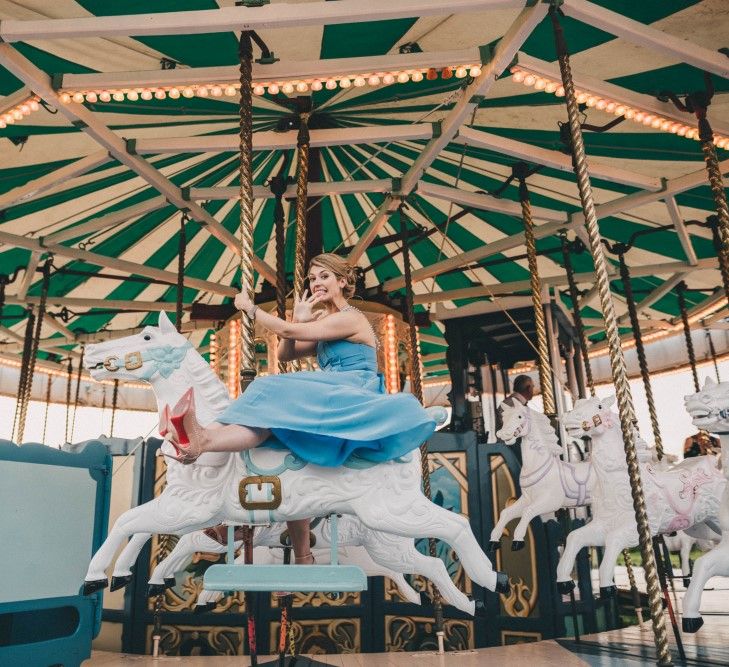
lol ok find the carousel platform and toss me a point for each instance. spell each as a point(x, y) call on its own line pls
point(628, 647)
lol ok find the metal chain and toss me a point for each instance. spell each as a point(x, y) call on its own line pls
point(719, 247)
point(681, 291)
point(181, 245)
point(416, 383)
point(49, 382)
point(245, 165)
point(69, 375)
point(617, 361)
point(640, 350)
point(576, 314)
point(712, 351)
point(545, 376)
point(24, 365)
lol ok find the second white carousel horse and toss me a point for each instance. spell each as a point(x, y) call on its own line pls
point(709, 410)
point(547, 482)
point(676, 499)
point(386, 497)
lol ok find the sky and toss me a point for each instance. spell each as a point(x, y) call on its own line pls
point(668, 391)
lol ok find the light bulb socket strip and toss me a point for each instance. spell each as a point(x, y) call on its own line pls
point(288, 87)
point(19, 111)
point(666, 122)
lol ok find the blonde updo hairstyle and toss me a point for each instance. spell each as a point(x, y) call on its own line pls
point(339, 267)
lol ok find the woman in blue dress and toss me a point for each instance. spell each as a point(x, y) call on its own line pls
point(324, 417)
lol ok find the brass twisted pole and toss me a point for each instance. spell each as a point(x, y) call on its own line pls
point(416, 382)
point(576, 314)
point(245, 166)
point(640, 350)
point(302, 183)
point(617, 361)
point(681, 291)
point(181, 245)
point(713, 221)
point(545, 375)
point(114, 405)
point(278, 187)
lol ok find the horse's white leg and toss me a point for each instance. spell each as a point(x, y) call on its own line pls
point(615, 542)
point(122, 574)
point(507, 514)
point(167, 567)
point(422, 518)
point(143, 519)
point(539, 506)
point(686, 544)
point(591, 534)
point(711, 564)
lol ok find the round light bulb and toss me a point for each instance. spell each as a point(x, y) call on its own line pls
point(288, 88)
point(216, 91)
point(681, 132)
point(518, 76)
point(259, 90)
point(359, 81)
point(302, 87)
point(461, 72)
point(146, 95)
point(417, 76)
point(34, 105)
point(8, 118)
point(105, 96)
point(374, 80)
point(619, 110)
point(475, 71)
point(529, 80)
point(722, 142)
point(132, 95)
point(78, 98)
point(3, 124)
point(581, 98)
point(559, 92)
point(648, 119)
point(159, 94)
point(610, 107)
point(317, 85)
point(657, 122)
point(639, 116)
point(274, 89)
point(187, 92)
point(331, 84)
point(344, 83)
point(118, 96)
point(674, 128)
point(230, 91)
point(601, 104)
point(202, 91)
point(65, 98)
point(403, 77)
point(550, 87)
point(540, 84)
point(17, 115)
point(629, 113)
point(665, 125)
point(174, 93)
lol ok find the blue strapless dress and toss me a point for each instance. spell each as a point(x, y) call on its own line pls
point(342, 411)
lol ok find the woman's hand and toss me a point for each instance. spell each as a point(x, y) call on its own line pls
point(243, 302)
point(304, 308)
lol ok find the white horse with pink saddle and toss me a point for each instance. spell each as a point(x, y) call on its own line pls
point(709, 410)
point(386, 497)
point(676, 499)
point(547, 482)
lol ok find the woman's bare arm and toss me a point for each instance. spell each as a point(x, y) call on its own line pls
point(289, 349)
point(337, 326)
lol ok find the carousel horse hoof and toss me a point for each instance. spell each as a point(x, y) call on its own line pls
point(170, 582)
point(155, 589)
point(686, 582)
point(608, 592)
point(494, 545)
point(502, 583)
point(480, 610)
point(90, 587)
point(204, 608)
point(565, 587)
point(517, 545)
point(691, 625)
point(119, 582)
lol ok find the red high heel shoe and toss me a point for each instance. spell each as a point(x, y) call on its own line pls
point(164, 421)
point(188, 448)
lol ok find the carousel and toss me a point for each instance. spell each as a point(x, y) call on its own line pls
point(532, 195)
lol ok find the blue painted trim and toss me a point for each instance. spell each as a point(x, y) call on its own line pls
point(299, 578)
point(290, 462)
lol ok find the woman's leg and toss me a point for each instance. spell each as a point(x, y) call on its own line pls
point(300, 540)
point(230, 437)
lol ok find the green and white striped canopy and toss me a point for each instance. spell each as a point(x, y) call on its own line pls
point(56, 175)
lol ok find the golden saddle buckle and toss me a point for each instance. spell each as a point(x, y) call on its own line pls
point(259, 481)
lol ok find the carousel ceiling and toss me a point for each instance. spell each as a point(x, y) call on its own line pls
point(105, 136)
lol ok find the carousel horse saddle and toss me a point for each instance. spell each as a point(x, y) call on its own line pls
point(574, 481)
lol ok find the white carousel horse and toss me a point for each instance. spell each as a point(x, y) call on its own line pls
point(709, 410)
point(547, 483)
point(676, 499)
point(386, 497)
point(268, 549)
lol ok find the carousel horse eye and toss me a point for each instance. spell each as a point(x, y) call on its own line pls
point(147, 337)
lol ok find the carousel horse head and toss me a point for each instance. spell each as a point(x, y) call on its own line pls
point(153, 351)
point(709, 408)
point(590, 416)
point(516, 422)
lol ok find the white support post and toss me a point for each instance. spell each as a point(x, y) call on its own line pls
point(469, 100)
point(106, 221)
point(228, 19)
point(647, 36)
point(54, 324)
point(14, 99)
point(38, 186)
point(320, 189)
point(683, 235)
point(113, 304)
point(29, 275)
point(79, 115)
point(656, 294)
